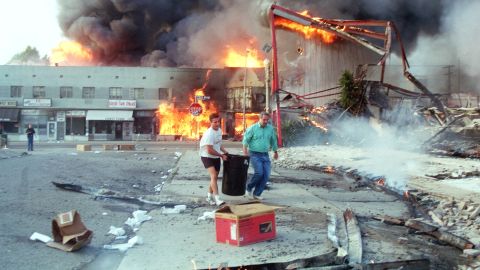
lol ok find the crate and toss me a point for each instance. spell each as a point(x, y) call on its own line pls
point(245, 224)
point(84, 147)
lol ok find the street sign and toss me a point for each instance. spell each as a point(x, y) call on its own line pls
point(202, 98)
point(195, 109)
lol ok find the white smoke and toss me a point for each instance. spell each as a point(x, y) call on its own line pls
point(455, 44)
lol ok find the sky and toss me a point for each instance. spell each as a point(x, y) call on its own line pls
point(28, 23)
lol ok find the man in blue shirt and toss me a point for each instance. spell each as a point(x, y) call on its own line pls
point(257, 142)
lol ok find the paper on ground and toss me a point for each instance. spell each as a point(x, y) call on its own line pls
point(40, 237)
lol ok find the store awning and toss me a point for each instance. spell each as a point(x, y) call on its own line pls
point(109, 115)
point(9, 115)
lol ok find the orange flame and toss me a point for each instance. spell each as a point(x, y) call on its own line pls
point(381, 182)
point(179, 121)
point(307, 31)
point(329, 169)
point(249, 59)
point(71, 53)
point(250, 119)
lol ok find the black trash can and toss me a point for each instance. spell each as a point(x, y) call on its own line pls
point(235, 171)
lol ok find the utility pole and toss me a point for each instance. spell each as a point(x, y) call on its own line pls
point(245, 92)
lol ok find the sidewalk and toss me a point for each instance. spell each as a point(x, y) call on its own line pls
point(180, 241)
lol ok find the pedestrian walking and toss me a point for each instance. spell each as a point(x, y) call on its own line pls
point(258, 140)
point(30, 133)
point(211, 151)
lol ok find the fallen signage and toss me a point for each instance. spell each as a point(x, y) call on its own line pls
point(245, 223)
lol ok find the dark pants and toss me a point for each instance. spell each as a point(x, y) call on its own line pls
point(30, 143)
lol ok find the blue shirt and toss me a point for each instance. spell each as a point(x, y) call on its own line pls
point(260, 139)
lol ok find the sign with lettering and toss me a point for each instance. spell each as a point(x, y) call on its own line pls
point(8, 103)
point(114, 103)
point(195, 109)
point(37, 102)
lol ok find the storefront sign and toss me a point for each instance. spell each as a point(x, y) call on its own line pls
point(76, 113)
point(60, 116)
point(8, 103)
point(122, 104)
point(37, 102)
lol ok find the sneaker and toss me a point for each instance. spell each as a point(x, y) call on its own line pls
point(218, 201)
point(249, 194)
point(210, 201)
point(257, 197)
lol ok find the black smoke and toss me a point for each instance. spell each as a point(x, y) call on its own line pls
point(192, 33)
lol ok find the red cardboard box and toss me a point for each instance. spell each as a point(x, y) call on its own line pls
point(244, 224)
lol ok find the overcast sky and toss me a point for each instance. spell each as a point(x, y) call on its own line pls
point(28, 22)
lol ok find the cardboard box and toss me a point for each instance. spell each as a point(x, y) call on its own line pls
point(84, 147)
point(245, 224)
point(69, 233)
point(126, 147)
point(107, 147)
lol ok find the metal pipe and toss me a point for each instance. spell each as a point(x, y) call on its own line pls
point(245, 93)
point(275, 76)
point(266, 63)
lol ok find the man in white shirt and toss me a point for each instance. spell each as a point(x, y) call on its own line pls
point(210, 152)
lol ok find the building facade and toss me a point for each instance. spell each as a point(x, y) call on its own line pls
point(95, 103)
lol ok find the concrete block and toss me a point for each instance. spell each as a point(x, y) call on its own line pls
point(84, 147)
point(110, 147)
point(126, 147)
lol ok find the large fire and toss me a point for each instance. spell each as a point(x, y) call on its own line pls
point(307, 31)
point(249, 59)
point(179, 121)
point(71, 53)
point(250, 119)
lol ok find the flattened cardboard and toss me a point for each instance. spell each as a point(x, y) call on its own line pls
point(69, 233)
point(238, 211)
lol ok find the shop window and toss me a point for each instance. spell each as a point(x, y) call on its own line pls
point(16, 91)
point(164, 93)
point(9, 127)
point(38, 92)
point(75, 126)
point(115, 93)
point(66, 92)
point(143, 125)
point(88, 92)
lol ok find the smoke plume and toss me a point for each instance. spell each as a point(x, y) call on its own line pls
point(198, 33)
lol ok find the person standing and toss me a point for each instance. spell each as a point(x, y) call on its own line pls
point(258, 140)
point(211, 151)
point(30, 133)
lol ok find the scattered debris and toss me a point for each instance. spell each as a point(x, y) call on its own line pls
point(136, 240)
point(40, 237)
point(116, 231)
point(207, 215)
point(69, 232)
point(177, 209)
point(139, 216)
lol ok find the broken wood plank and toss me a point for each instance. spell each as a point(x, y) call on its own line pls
point(421, 264)
point(440, 234)
point(390, 220)
point(354, 248)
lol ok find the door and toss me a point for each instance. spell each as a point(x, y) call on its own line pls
point(52, 131)
point(118, 130)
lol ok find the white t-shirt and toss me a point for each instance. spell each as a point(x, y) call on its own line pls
point(211, 137)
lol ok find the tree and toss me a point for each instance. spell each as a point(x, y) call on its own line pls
point(352, 97)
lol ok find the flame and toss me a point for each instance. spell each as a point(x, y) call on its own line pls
point(71, 53)
point(249, 59)
point(250, 119)
point(329, 169)
point(179, 121)
point(381, 182)
point(307, 31)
